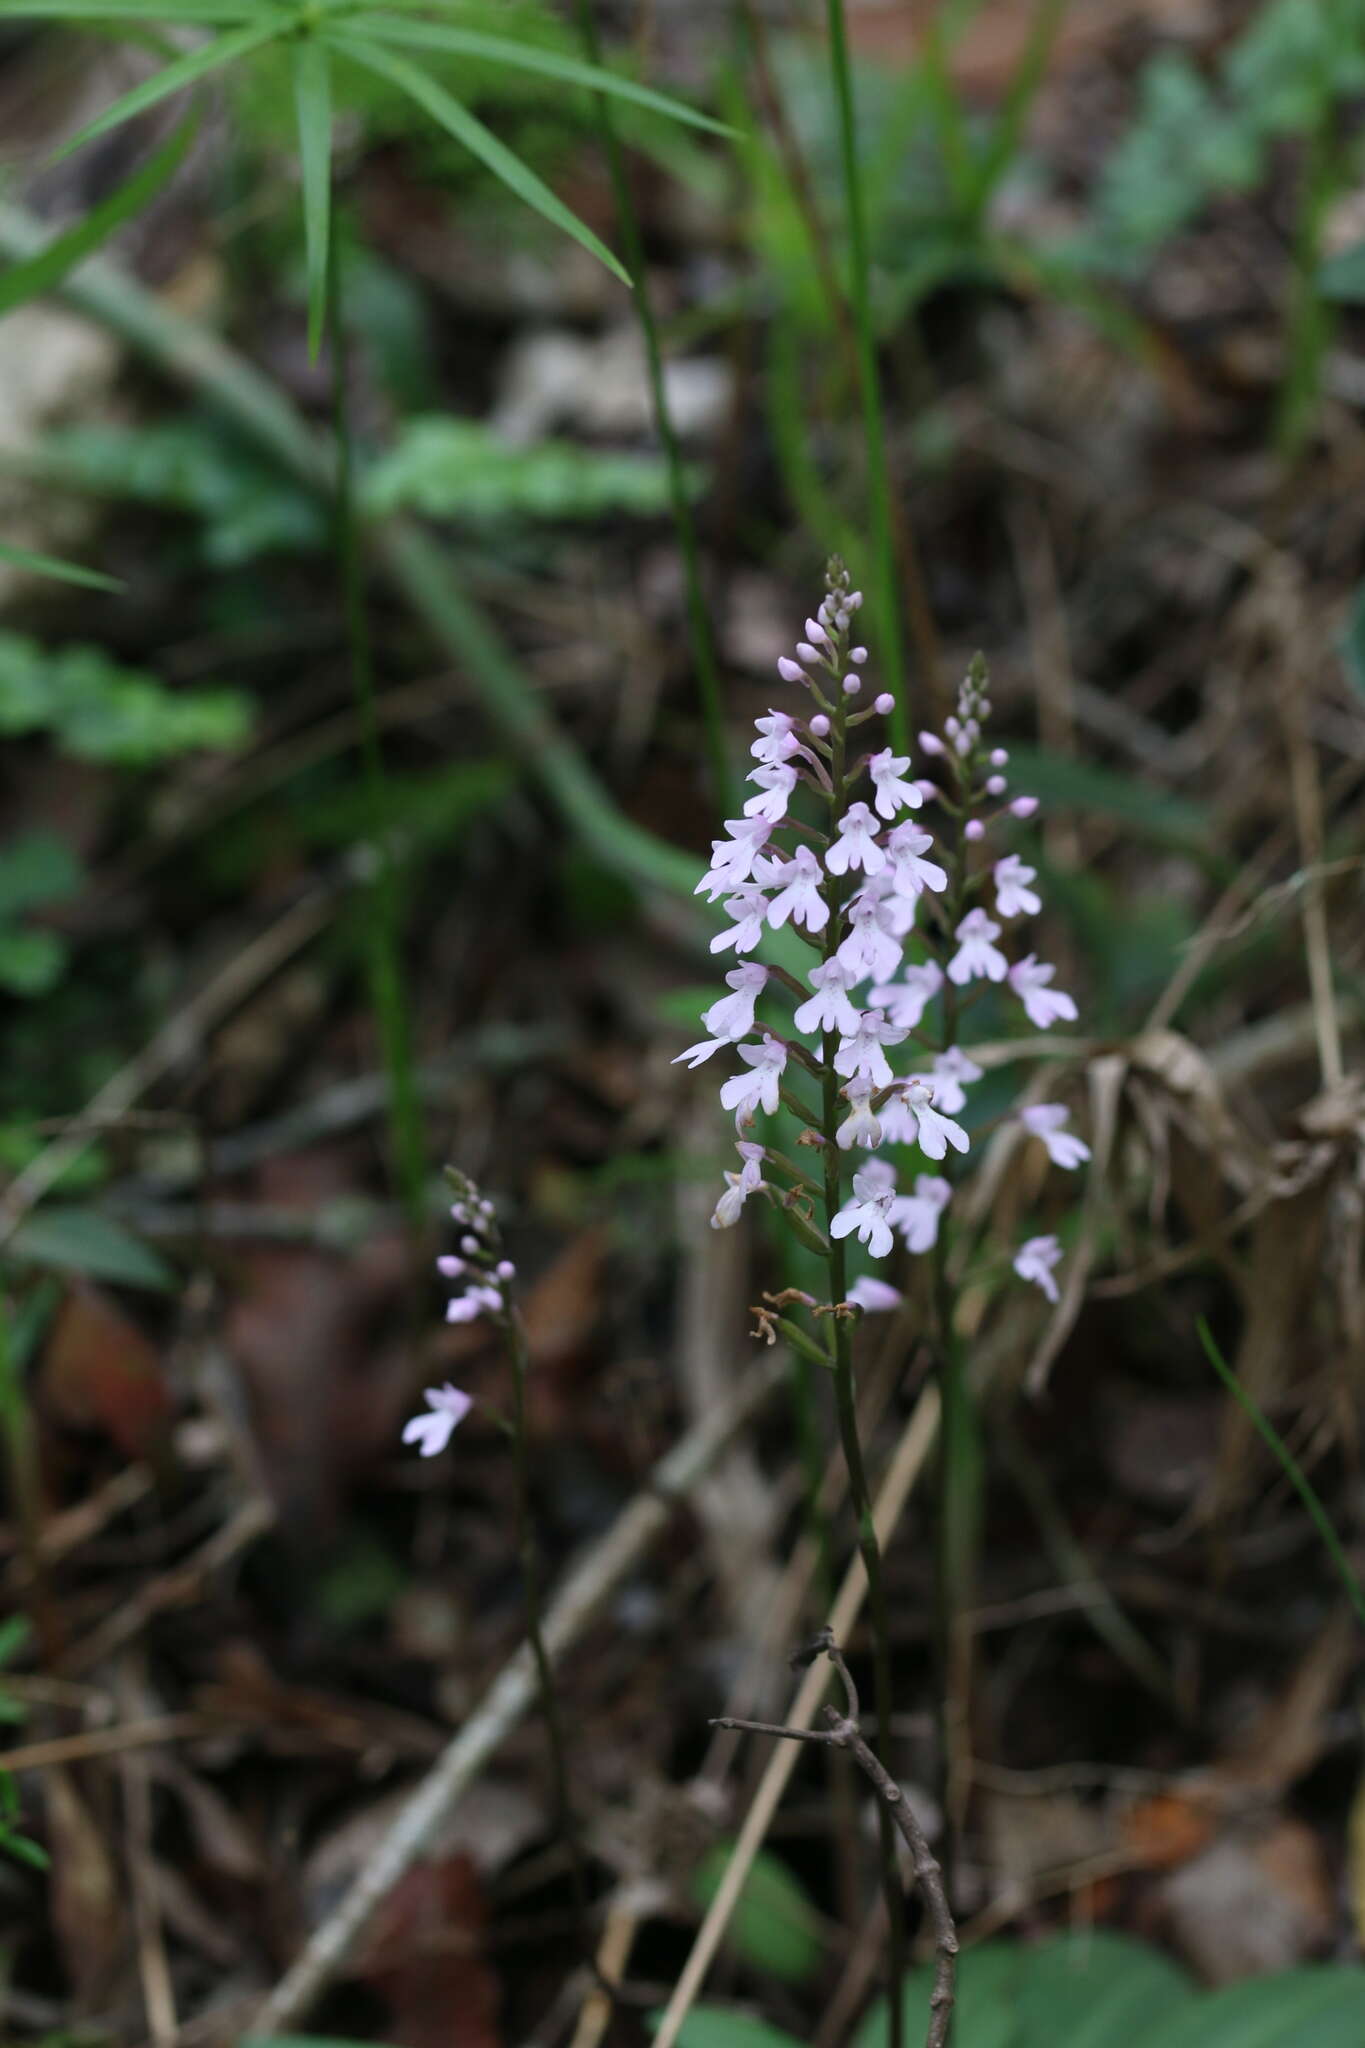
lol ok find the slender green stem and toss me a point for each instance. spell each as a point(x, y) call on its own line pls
point(528, 1551)
point(874, 425)
point(382, 925)
point(698, 618)
point(846, 1405)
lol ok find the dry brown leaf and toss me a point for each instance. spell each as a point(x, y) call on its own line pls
point(100, 1371)
point(86, 1895)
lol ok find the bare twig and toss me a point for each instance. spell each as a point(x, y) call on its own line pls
point(588, 1585)
point(842, 1731)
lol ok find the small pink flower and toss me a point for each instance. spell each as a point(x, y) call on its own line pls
point(760, 1088)
point(475, 1302)
point(829, 1009)
point(1046, 1121)
point(739, 1186)
point(893, 793)
point(432, 1432)
point(872, 948)
point(775, 786)
point(1013, 897)
point(856, 846)
point(917, 1216)
point(873, 1296)
point(907, 845)
point(749, 909)
point(950, 1071)
point(934, 1133)
point(777, 739)
point(906, 1000)
point(1035, 1260)
point(801, 895)
point(865, 1213)
point(861, 1057)
point(1029, 979)
point(732, 859)
point(977, 955)
point(861, 1126)
point(732, 1018)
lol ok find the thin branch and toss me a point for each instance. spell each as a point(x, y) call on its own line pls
point(841, 1731)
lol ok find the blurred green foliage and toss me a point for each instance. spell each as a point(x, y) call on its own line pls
point(97, 710)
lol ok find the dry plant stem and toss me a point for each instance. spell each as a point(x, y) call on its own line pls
point(589, 1583)
point(906, 1465)
point(1307, 793)
point(842, 1732)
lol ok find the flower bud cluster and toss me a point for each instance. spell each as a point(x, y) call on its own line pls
point(485, 1277)
point(907, 931)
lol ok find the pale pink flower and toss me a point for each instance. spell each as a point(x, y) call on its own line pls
point(934, 1133)
point(732, 859)
point(774, 786)
point(749, 909)
point(800, 896)
point(873, 1296)
point(1035, 1260)
point(906, 1000)
point(917, 1216)
point(907, 845)
point(777, 739)
point(861, 1126)
point(732, 1018)
point(856, 846)
point(865, 1213)
point(861, 1057)
point(475, 1302)
point(432, 1432)
point(893, 794)
point(1029, 979)
point(977, 955)
point(1046, 1120)
point(871, 950)
point(950, 1070)
point(829, 1009)
point(760, 1087)
point(1013, 896)
point(739, 1186)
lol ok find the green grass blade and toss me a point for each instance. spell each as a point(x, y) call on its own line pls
point(26, 280)
point(205, 12)
point(478, 140)
point(464, 42)
point(61, 572)
point(1267, 1431)
point(186, 70)
point(313, 108)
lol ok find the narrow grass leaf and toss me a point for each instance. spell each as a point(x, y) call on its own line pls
point(313, 108)
point(478, 140)
point(79, 1240)
point(464, 42)
point(37, 274)
point(61, 572)
point(211, 13)
point(1267, 1431)
point(186, 70)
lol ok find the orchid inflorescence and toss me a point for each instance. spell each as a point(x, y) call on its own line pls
point(487, 1278)
point(906, 933)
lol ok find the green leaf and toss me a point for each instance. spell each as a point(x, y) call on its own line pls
point(1321, 2007)
point(313, 108)
point(24, 1851)
point(209, 12)
point(706, 2026)
point(99, 711)
point(523, 56)
point(186, 70)
point(1074, 785)
point(39, 868)
point(773, 1926)
point(480, 141)
point(459, 469)
point(23, 281)
point(14, 1636)
point(987, 1981)
point(1092, 1989)
point(61, 572)
point(80, 1240)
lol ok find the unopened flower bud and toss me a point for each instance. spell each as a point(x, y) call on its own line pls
point(999, 757)
point(973, 830)
point(930, 743)
point(852, 685)
point(996, 785)
point(819, 725)
point(928, 790)
point(791, 671)
point(886, 704)
point(470, 1246)
point(952, 728)
point(1024, 806)
point(449, 1267)
point(815, 631)
point(806, 651)
point(854, 600)
point(505, 1270)
point(858, 654)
